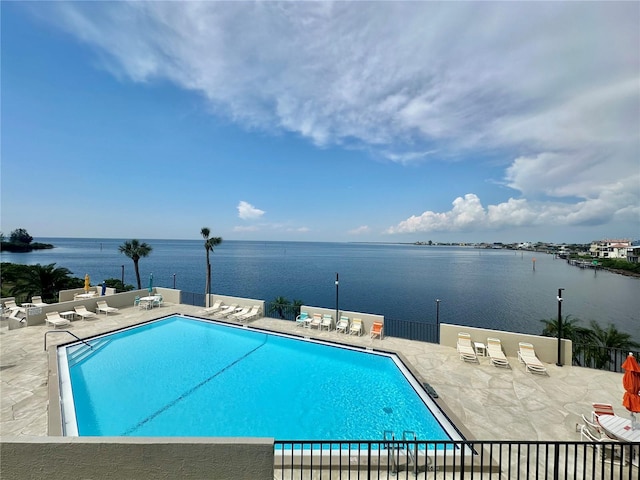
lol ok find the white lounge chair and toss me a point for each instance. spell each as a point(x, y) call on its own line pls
point(36, 300)
point(465, 348)
point(496, 355)
point(237, 314)
point(327, 322)
point(54, 318)
point(342, 325)
point(12, 305)
point(227, 310)
point(213, 308)
point(316, 321)
point(83, 313)
point(527, 355)
point(254, 312)
point(102, 306)
point(356, 327)
point(302, 319)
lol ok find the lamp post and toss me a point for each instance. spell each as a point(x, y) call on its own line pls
point(122, 276)
point(559, 297)
point(337, 288)
point(438, 319)
point(174, 281)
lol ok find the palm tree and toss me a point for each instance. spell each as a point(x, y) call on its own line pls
point(609, 338)
point(279, 305)
point(44, 280)
point(578, 335)
point(135, 251)
point(209, 244)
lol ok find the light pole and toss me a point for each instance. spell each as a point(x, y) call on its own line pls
point(559, 297)
point(122, 276)
point(337, 288)
point(174, 281)
point(438, 319)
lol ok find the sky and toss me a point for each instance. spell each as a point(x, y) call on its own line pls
point(318, 121)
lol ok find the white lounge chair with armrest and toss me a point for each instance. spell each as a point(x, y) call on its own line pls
point(527, 355)
point(102, 306)
point(465, 348)
point(316, 321)
point(54, 318)
point(83, 313)
point(496, 355)
point(36, 301)
point(302, 319)
point(356, 327)
point(327, 322)
point(254, 312)
point(342, 325)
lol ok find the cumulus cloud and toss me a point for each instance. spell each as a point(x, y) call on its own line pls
point(246, 211)
point(555, 82)
point(468, 213)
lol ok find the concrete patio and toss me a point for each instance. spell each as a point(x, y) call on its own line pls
point(485, 402)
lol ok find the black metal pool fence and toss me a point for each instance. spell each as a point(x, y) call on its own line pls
point(456, 460)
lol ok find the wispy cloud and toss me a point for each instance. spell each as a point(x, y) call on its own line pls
point(364, 229)
point(551, 89)
point(246, 211)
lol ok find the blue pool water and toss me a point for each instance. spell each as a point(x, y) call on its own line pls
point(180, 376)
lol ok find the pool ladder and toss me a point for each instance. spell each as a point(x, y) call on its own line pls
point(395, 447)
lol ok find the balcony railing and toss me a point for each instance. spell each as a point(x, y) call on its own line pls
point(456, 460)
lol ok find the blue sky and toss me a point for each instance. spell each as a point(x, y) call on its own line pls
point(317, 121)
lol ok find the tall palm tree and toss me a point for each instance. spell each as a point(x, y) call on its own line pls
point(135, 251)
point(209, 244)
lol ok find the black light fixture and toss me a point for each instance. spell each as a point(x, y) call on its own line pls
point(337, 287)
point(559, 298)
point(438, 318)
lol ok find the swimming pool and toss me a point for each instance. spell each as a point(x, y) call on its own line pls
point(182, 376)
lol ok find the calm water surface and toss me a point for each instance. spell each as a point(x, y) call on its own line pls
point(485, 288)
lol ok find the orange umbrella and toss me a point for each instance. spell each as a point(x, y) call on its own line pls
point(631, 384)
point(86, 283)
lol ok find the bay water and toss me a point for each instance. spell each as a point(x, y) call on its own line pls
point(500, 289)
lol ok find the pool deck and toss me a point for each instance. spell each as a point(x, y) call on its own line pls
point(487, 402)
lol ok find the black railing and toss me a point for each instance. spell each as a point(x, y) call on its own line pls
point(456, 460)
point(601, 358)
point(281, 311)
point(421, 331)
point(191, 298)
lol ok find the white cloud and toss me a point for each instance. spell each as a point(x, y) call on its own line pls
point(468, 214)
point(246, 228)
point(246, 211)
point(555, 82)
point(364, 229)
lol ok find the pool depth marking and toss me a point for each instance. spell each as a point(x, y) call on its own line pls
point(192, 390)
